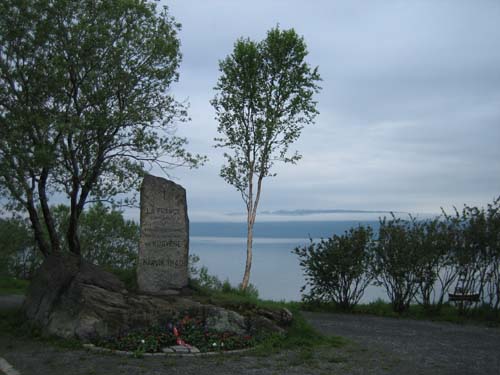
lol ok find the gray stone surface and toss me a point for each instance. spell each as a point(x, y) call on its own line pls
point(71, 298)
point(180, 349)
point(164, 243)
point(11, 302)
point(223, 320)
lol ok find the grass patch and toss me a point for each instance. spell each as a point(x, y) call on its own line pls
point(300, 335)
point(447, 313)
point(236, 299)
point(10, 285)
point(12, 323)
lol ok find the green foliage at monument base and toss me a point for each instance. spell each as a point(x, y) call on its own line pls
point(300, 335)
point(127, 276)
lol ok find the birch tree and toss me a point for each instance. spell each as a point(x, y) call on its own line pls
point(264, 98)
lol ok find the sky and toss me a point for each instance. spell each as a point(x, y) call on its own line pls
point(409, 108)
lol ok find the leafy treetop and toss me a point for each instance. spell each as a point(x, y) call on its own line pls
point(84, 103)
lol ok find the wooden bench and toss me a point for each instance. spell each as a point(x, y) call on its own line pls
point(458, 297)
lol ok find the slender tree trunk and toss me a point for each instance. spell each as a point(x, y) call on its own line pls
point(497, 302)
point(248, 264)
point(37, 228)
point(49, 222)
point(252, 214)
point(78, 203)
point(72, 233)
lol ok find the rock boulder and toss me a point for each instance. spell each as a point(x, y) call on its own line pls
point(71, 298)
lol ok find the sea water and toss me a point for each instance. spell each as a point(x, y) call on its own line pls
point(275, 268)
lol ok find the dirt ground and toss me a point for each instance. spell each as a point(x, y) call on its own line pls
point(374, 346)
point(418, 347)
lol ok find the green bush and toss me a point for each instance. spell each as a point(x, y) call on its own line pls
point(107, 240)
point(206, 283)
point(336, 269)
point(128, 277)
point(415, 261)
point(437, 267)
point(18, 254)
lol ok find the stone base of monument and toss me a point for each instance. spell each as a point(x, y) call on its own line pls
point(71, 298)
point(182, 292)
point(166, 292)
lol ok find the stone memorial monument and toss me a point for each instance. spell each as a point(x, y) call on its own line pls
point(162, 267)
point(72, 298)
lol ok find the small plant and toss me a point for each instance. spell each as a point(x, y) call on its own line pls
point(206, 283)
point(188, 332)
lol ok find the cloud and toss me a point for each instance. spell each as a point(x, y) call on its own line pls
point(410, 106)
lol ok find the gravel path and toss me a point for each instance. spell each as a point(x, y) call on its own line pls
point(11, 302)
point(375, 346)
point(419, 347)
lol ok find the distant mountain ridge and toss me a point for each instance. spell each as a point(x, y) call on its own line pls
point(305, 212)
point(277, 229)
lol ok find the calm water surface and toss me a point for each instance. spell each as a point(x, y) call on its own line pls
point(275, 269)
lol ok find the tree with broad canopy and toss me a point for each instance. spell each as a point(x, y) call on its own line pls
point(85, 106)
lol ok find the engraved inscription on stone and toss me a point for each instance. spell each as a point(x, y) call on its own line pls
point(164, 243)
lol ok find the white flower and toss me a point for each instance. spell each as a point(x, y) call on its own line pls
point(143, 341)
point(214, 344)
point(221, 344)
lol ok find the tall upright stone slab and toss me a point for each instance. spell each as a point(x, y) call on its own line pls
point(164, 245)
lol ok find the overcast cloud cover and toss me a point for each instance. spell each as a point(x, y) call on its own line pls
point(409, 111)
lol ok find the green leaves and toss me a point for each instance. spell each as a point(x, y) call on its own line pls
point(85, 106)
point(17, 251)
point(413, 260)
point(397, 261)
point(264, 98)
point(107, 240)
point(337, 268)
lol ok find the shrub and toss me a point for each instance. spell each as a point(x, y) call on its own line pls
point(128, 277)
point(107, 240)
point(18, 255)
point(397, 262)
point(204, 282)
point(477, 252)
point(336, 268)
point(438, 270)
